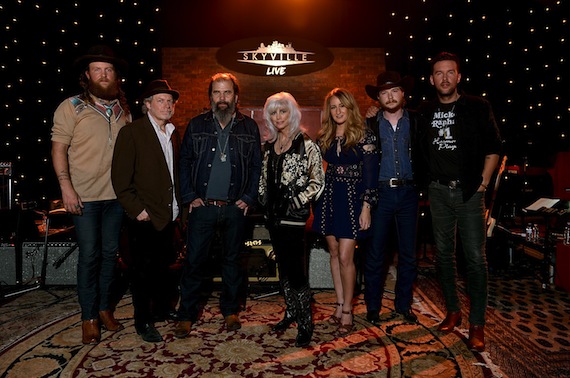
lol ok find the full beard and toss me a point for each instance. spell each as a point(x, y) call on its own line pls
point(106, 93)
point(224, 115)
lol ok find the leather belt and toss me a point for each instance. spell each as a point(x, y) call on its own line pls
point(218, 203)
point(394, 183)
point(451, 184)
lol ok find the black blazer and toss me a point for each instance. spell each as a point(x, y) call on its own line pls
point(140, 174)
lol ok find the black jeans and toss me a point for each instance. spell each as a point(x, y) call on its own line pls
point(450, 215)
point(289, 246)
point(203, 222)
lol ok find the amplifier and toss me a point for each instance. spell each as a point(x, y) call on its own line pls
point(7, 264)
point(320, 276)
point(257, 259)
point(61, 267)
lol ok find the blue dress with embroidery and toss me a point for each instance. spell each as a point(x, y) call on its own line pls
point(351, 178)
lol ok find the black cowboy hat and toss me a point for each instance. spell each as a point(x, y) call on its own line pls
point(387, 80)
point(159, 86)
point(101, 53)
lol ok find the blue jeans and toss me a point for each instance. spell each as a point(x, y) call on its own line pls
point(97, 230)
point(450, 215)
point(203, 222)
point(399, 206)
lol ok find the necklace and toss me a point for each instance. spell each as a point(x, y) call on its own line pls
point(339, 139)
point(223, 156)
point(282, 145)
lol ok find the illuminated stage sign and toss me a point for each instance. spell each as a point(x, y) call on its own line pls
point(274, 56)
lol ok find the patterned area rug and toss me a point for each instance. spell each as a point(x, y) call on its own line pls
point(394, 349)
point(528, 327)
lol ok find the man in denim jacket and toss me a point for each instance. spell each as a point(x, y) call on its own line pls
point(220, 165)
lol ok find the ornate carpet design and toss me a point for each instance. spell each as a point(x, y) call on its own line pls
point(394, 349)
point(528, 328)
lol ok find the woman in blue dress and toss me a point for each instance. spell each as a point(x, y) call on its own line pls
point(342, 214)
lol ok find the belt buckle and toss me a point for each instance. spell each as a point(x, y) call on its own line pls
point(453, 184)
point(393, 183)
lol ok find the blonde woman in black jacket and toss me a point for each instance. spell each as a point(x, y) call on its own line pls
point(292, 177)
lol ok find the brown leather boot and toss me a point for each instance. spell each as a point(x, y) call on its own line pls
point(109, 321)
point(182, 329)
point(452, 320)
point(477, 337)
point(90, 331)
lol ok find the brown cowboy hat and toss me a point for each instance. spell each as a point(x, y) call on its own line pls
point(101, 53)
point(387, 80)
point(159, 86)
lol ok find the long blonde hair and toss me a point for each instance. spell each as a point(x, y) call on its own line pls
point(282, 100)
point(355, 125)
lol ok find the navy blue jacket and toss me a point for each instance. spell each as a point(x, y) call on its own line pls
point(199, 147)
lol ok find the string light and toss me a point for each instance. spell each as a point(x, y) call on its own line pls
point(28, 109)
point(528, 44)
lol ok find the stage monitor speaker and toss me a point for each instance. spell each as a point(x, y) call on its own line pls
point(319, 269)
point(61, 268)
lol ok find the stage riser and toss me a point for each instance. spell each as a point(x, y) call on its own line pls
point(32, 256)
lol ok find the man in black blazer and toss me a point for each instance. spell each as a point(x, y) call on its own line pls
point(145, 179)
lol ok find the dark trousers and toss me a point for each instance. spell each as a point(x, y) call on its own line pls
point(400, 206)
point(203, 222)
point(151, 254)
point(289, 246)
point(98, 231)
point(450, 215)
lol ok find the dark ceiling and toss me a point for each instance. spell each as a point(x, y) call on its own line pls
point(332, 23)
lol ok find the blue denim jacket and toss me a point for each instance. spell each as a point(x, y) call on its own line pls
point(396, 146)
point(199, 147)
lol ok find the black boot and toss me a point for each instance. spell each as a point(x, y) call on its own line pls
point(304, 317)
point(290, 309)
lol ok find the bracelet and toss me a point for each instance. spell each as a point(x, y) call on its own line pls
point(483, 185)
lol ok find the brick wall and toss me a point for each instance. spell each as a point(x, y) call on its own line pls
point(188, 70)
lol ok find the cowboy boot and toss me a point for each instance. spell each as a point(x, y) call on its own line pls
point(290, 309)
point(304, 317)
point(109, 321)
point(91, 334)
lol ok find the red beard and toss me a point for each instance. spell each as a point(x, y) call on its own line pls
point(109, 93)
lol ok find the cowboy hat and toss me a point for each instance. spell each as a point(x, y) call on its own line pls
point(101, 53)
point(387, 80)
point(159, 86)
